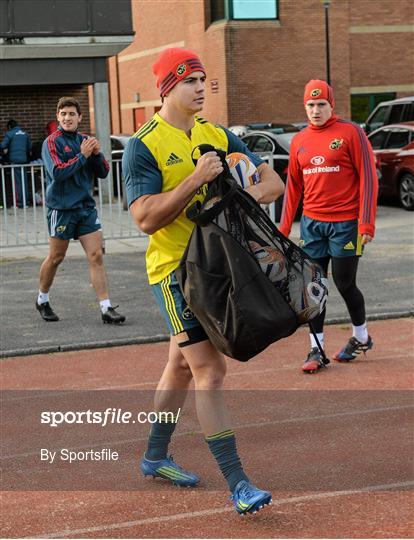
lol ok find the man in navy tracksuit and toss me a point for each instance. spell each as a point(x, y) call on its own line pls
point(18, 145)
point(71, 161)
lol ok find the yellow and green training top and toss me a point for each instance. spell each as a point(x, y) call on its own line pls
point(157, 159)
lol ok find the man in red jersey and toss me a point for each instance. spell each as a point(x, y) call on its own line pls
point(332, 161)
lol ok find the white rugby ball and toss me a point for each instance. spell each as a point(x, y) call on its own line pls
point(242, 169)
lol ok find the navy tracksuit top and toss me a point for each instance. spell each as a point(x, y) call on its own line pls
point(18, 143)
point(69, 174)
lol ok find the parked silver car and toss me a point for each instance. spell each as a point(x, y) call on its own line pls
point(271, 142)
point(242, 130)
point(390, 112)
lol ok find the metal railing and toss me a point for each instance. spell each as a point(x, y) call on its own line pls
point(23, 212)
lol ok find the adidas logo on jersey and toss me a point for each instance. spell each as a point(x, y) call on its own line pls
point(349, 245)
point(173, 159)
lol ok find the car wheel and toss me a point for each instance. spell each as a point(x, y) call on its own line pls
point(406, 191)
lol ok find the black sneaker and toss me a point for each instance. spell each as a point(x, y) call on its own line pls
point(352, 349)
point(112, 317)
point(314, 361)
point(46, 312)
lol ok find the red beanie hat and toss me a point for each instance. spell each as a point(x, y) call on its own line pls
point(173, 65)
point(317, 89)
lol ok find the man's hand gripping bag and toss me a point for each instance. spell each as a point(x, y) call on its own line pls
point(246, 283)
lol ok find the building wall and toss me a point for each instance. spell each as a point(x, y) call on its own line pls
point(380, 12)
point(262, 66)
point(34, 106)
point(159, 24)
point(381, 45)
point(216, 61)
point(267, 83)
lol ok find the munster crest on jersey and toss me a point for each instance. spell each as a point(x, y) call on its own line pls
point(336, 144)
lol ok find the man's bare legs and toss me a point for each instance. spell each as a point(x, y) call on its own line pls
point(175, 380)
point(92, 245)
point(57, 252)
point(207, 366)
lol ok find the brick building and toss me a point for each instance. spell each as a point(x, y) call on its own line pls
point(55, 50)
point(34, 106)
point(260, 53)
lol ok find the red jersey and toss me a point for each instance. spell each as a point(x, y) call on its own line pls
point(335, 166)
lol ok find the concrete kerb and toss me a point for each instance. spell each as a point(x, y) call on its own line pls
point(158, 338)
point(120, 245)
point(83, 346)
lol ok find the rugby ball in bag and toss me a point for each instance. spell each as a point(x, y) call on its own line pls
point(242, 169)
point(271, 261)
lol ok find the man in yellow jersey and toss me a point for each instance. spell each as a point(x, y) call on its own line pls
point(162, 181)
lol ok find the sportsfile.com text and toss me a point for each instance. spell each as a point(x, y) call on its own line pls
point(108, 416)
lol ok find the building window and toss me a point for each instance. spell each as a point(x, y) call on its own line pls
point(243, 9)
point(253, 9)
point(398, 138)
point(362, 105)
point(377, 140)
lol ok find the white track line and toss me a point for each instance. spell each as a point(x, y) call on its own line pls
point(153, 384)
point(203, 513)
point(236, 428)
point(247, 372)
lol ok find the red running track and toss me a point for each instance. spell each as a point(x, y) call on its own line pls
point(335, 447)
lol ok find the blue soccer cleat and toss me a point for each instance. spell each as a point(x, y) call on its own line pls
point(352, 349)
point(168, 470)
point(248, 499)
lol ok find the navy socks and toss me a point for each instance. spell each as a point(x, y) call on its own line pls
point(159, 439)
point(223, 447)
